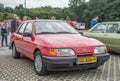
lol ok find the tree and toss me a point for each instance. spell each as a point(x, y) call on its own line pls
point(78, 7)
point(79, 10)
point(9, 16)
point(1, 17)
point(107, 10)
point(8, 9)
point(1, 7)
point(68, 18)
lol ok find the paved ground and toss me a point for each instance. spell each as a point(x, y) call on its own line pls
point(22, 70)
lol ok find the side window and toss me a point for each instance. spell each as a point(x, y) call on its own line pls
point(112, 28)
point(28, 28)
point(100, 28)
point(21, 29)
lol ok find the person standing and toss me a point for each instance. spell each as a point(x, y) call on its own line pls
point(53, 18)
point(4, 33)
point(37, 18)
point(14, 24)
point(18, 20)
point(94, 21)
point(24, 18)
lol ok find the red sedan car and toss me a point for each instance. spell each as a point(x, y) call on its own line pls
point(55, 46)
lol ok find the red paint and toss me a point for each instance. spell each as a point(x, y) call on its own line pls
point(44, 42)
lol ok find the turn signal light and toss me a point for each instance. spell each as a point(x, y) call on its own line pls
point(53, 52)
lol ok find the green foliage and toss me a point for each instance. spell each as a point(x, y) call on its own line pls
point(107, 10)
point(78, 7)
point(68, 18)
point(9, 16)
point(79, 10)
point(1, 17)
point(29, 18)
point(69, 12)
point(1, 7)
point(45, 12)
point(8, 9)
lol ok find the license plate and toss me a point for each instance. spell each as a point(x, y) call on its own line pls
point(82, 60)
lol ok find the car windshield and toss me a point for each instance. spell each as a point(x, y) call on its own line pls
point(53, 27)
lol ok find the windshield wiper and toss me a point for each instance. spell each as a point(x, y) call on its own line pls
point(64, 32)
point(46, 33)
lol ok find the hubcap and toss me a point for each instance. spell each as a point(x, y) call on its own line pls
point(38, 63)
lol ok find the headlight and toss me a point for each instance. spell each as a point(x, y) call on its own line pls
point(61, 52)
point(100, 49)
point(65, 52)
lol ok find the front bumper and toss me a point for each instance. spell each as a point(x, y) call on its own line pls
point(69, 63)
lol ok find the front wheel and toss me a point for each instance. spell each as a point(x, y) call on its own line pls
point(39, 64)
point(15, 53)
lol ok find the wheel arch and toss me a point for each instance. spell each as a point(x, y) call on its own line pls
point(36, 49)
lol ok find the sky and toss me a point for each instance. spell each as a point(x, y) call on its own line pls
point(36, 3)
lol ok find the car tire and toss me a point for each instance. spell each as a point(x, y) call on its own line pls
point(15, 53)
point(39, 64)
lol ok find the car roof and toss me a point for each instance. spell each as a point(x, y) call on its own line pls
point(111, 22)
point(42, 20)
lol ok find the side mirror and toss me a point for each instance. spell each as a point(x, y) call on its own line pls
point(27, 34)
point(118, 31)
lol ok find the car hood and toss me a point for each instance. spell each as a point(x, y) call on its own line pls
point(69, 40)
point(73, 41)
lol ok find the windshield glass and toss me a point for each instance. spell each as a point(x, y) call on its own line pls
point(53, 27)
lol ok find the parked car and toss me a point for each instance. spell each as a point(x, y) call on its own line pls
point(108, 33)
point(80, 26)
point(56, 46)
point(73, 24)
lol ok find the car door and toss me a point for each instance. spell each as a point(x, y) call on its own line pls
point(113, 37)
point(28, 44)
point(98, 32)
point(19, 37)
